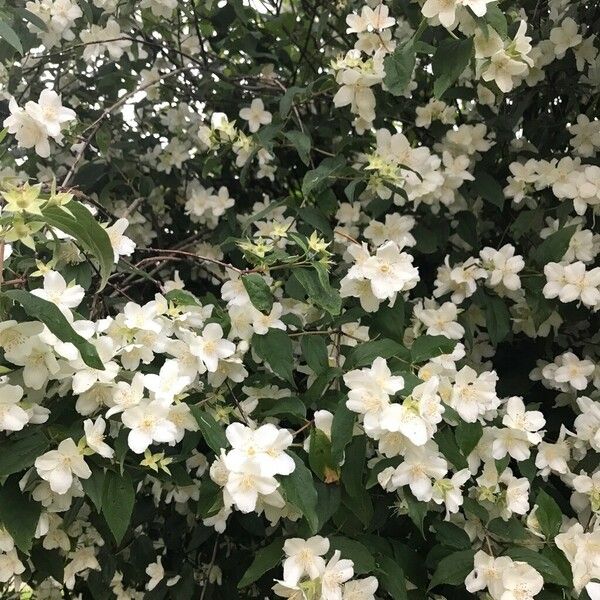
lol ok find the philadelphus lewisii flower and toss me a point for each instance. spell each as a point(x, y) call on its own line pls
point(38, 121)
point(58, 467)
point(256, 115)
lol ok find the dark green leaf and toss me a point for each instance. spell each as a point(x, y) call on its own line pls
point(553, 248)
point(275, 348)
point(302, 143)
point(7, 33)
point(259, 292)
point(212, 432)
point(430, 346)
point(449, 61)
point(453, 569)
point(391, 576)
point(315, 353)
point(77, 221)
point(49, 314)
point(549, 515)
point(364, 562)
point(19, 454)
point(365, 354)
point(319, 292)
point(341, 430)
point(322, 175)
point(18, 513)
point(299, 490)
point(265, 559)
point(118, 498)
point(488, 188)
point(399, 66)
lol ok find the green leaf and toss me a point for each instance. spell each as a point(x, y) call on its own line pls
point(453, 569)
point(315, 353)
point(49, 314)
point(430, 346)
point(546, 567)
point(549, 515)
point(319, 456)
point(265, 559)
point(77, 221)
point(364, 562)
point(301, 141)
point(553, 248)
point(353, 468)
point(416, 510)
point(93, 487)
point(275, 348)
point(287, 100)
point(7, 33)
point(341, 430)
point(488, 188)
point(259, 292)
point(451, 535)
point(496, 18)
point(399, 67)
point(18, 513)
point(448, 447)
point(391, 576)
point(318, 291)
point(468, 436)
point(497, 319)
point(511, 529)
point(118, 497)
point(365, 354)
point(389, 321)
point(323, 174)
point(299, 490)
point(211, 431)
point(449, 61)
point(19, 454)
point(32, 18)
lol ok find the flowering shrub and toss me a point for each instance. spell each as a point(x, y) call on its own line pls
point(299, 299)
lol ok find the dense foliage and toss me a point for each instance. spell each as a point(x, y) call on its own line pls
point(299, 299)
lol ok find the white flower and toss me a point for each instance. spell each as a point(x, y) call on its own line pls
point(337, 572)
point(503, 266)
point(266, 445)
point(149, 422)
point(10, 565)
point(473, 395)
point(57, 291)
point(168, 383)
point(256, 115)
point(521, 582)
point(444, 10)
point(121, 244)
point(304, 557)
point(156, 573)
point(487, 573)
point(12, 416)
point(210, 347)
point(361, 589)
point(565, 36)
point(57, 467)
point(49, 112)
point(94, 437)
point(244, 486)
point(390, 271)
point(421, 465)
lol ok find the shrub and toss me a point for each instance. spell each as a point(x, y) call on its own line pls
point(299, 299)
